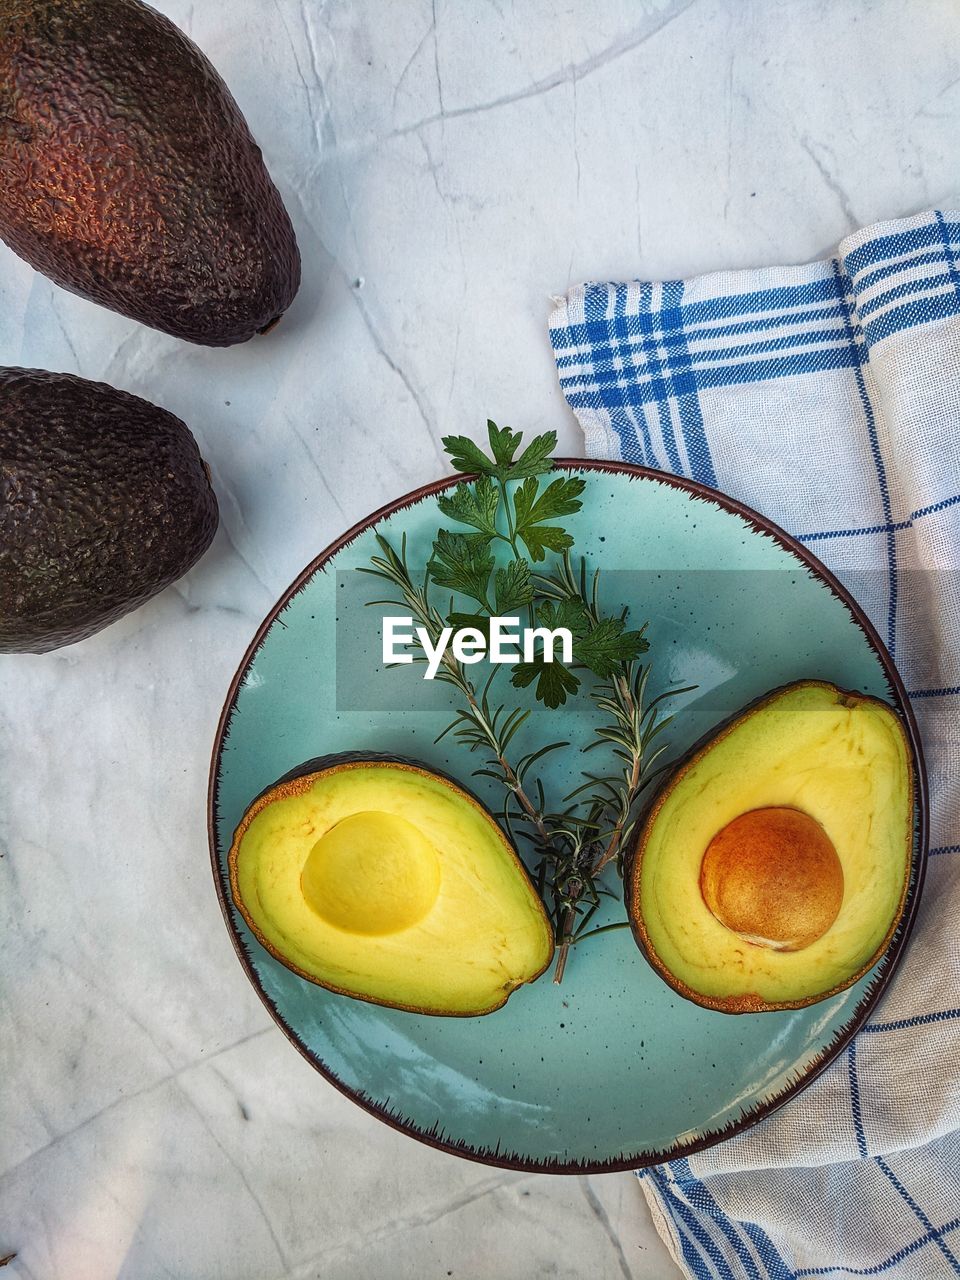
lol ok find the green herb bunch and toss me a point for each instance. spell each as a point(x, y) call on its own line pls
point(510, 507)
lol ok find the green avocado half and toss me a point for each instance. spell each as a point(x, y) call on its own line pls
point(378, 878)
point(772, 869)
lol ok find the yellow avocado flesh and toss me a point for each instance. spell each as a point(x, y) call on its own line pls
point(372, 873)
point(389, 883)
point(841, 762)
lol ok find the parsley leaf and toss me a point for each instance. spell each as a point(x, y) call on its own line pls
point(462, 562)
point(564, 613)
point(541, 538)
point(503, 446)
point(464, 455)
point(607, 646)
point(473, 504)
point(479, 621)
point(513, 587)
point(535, 460)
point(554, 681)
point(532, 508)
point(467, 456)
point(560, 498)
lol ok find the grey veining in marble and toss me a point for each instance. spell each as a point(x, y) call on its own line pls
point(449, 166)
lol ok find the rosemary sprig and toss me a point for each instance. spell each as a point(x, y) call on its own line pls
point(508, 506)
point(630, 726)
point(478, 725)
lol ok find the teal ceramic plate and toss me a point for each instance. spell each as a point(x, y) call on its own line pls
point(612, 1069)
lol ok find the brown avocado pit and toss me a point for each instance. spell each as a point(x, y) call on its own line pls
point(773, 876)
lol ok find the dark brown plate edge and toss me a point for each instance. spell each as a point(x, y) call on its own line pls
point(887, 966)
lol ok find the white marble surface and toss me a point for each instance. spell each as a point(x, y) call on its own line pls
point(448, 165)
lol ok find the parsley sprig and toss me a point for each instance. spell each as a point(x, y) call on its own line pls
point(509, 554)
point(510, 503)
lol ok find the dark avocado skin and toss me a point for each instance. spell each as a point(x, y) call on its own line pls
point(335, 758)
point(104, 501)
point(128, 174)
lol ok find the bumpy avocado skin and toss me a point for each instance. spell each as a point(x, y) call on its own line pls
point(128, 174)
point(104, 501)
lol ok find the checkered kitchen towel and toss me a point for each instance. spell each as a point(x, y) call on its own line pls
point(828, 397)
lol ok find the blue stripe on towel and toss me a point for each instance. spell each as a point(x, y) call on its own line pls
point(659, 371)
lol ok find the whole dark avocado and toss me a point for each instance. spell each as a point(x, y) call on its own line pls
point(104, 501)
point(128, 174)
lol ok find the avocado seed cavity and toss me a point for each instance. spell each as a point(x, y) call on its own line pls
point(773, 877)
point(371, 873)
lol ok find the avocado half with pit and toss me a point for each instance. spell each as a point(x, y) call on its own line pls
point(378, 878)
point(772, 870)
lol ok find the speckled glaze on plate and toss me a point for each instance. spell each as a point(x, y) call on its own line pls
point(611, 1070)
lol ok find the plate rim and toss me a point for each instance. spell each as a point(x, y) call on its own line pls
point(887, 965)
